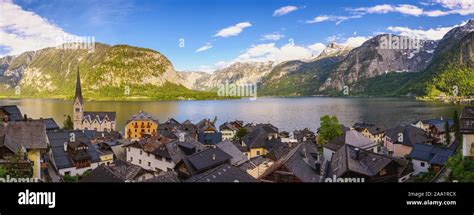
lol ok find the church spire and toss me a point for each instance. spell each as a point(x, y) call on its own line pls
point(78, 88)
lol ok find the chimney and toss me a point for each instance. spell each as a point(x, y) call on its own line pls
point(213, 157)
point(356, 153)
point(65, 146)
point(317, 167)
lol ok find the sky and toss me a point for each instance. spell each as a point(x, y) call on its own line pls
point(205, 35)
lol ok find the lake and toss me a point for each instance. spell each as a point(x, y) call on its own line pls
point(286, 113)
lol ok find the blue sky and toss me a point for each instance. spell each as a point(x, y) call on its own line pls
point(299, 29)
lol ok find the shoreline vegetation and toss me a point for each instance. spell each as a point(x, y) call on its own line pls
point(211, 97)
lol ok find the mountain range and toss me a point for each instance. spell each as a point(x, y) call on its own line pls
point(372, 69)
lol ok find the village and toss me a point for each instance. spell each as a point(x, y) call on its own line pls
point(89, 148)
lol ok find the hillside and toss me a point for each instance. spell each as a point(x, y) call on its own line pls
point(118, 72)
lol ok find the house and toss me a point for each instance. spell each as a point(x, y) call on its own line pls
point(256, 166)
point(172, 129)
point(118, 171)
point(259, 142)
point(210, 138)
point(466, 124)
point(224, 173)
point(229, 147)
point(399, 141)
point(160, 154)
point(206, 126)
point(353, 138)
point(10, 113)
point(228, 131)
point(72, 153)
point(82, 120)
point(164, 177)
point(301, 164)
point(304, 135)
point(202, 161)
point(271, 130)
point(26, 136)
point(49, 123)
point(238, 124)
point(141, 125)
point(437, 129)
point(429, 157)
point(374, 133)
point(351, 164)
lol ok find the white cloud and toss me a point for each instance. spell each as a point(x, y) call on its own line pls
point(285, 10)
point(462, 7)
point(233, 30)
point(22, 30)
point(317, 48)
point(386, 8)
point(207, 46)
point(355, 41)
point(430, 34)
point(272, 37)
point(337, 19)
point(456, 4)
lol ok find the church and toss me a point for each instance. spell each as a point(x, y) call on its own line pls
point(99, 121)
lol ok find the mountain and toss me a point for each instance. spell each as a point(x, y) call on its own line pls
point(452, 67)
point(236, 73)
point(376, 57)
point(108, 73)
point(190, 79)
point(297, 77)
point(334, 50)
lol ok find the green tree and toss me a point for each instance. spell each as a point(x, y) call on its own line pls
point(462, 168)
point(70, 179)
point(330, 128)
point(3, 172)
point(68, 124)
point(456, 126)
point(16, 164)
point(240, 134)
point(446, 133)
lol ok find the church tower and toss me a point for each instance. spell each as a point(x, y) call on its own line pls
point(78, 106)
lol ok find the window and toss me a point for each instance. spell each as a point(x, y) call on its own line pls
point(139, 161)
point(383, 172)
point(67, 173)
point(128, 149)
point(422, 164)
point(141, 152)
point(131, 159)
point(149, 163)
point(148, 154)
point(258, 152)
point(168, 160)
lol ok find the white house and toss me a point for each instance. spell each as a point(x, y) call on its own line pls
point(72, 153)
point(467, 129)
point(160, 156)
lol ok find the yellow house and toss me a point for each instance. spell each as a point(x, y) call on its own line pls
point(374, 134)
point(141, 125)
point(258, 143)
point(106, 158)
point(29, 137)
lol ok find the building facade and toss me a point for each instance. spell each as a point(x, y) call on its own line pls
point(99, 121)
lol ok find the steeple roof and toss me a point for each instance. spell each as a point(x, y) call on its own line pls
point(78, 88)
